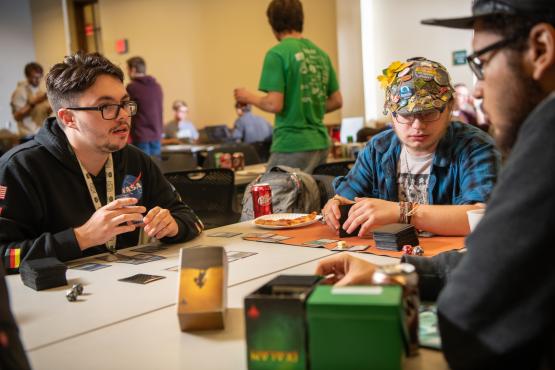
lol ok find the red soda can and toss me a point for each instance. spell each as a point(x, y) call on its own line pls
point(261, 200)
point(238, 160)
point(225, 160)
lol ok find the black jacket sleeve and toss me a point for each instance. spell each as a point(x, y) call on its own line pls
point(433, 272)
point(22, 231)
point(162, 194)
point(497, 310)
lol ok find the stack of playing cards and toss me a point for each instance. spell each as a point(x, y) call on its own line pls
point(43, 273)
point(392, 237)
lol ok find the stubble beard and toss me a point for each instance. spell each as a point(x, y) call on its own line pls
point(527, 94)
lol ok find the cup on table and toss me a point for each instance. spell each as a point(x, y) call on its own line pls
point(474, 217)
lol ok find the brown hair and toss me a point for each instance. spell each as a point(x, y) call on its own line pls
point(285, 15)
point(32, 67)
point(138, 63)
point(78, 72)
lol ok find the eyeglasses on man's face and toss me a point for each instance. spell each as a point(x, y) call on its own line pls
point(477, 65)
point(427, 116)
point(111, 111)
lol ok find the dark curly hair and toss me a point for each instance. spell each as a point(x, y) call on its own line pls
point(516, 25)
point(32, 67)
point(286, 15)
point(67, 80)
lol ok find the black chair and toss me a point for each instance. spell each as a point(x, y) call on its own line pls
point(262, 149)
point(216, 134)
point(209, 192)
point(324, 175)
point(176, 161)
point(334, 169)
point(251, 156)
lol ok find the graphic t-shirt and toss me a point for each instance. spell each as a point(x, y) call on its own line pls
point(304, 74)
point(413, 174)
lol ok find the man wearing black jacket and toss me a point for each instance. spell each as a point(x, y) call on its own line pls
point(496, 308)
point(77, 188)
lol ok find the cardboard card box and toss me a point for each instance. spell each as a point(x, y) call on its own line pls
point(202, 293)
point(276, 324)
point(356, 327)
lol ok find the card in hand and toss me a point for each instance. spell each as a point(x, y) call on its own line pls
point(142, 278)
point(344, 209)
point(89, 266)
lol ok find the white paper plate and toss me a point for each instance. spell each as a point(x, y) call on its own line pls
point(277, 216)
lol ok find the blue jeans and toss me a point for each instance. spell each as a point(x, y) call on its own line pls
point(306, 161)
point(149, 147)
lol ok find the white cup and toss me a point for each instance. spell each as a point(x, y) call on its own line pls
point(474, 217)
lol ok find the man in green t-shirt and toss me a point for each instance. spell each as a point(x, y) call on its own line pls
point(300, 85)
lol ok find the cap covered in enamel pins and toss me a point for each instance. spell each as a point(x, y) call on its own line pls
point(414, 86)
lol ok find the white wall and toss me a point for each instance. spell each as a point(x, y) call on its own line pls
point(18, 49)
point(392, 31)
point(349, 54)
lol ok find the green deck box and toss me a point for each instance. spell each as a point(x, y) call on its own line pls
point(276, 323)
point(356, 327)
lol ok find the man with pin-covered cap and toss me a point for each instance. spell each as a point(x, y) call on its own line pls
point(427, 170)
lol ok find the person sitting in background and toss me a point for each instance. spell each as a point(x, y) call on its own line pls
point(426, 170)
point(77, 188)
point(463, 110)
point(180, 129)
point(249, 128)
point(29, 105)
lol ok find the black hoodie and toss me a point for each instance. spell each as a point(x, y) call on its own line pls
point(43, 197)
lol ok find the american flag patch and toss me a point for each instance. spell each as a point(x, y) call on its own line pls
point(12, 258)
point(3, 191)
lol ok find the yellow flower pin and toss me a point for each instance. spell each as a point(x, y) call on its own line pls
point(390, 73)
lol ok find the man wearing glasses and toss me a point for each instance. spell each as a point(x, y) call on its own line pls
point(496, 308)
point(77, 188)
point(428, 170)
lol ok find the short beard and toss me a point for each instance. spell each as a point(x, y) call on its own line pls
point(529, 94)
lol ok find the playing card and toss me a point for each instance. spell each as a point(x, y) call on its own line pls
point(358, 248)
point(235, 255)
point(116, 257)
point(280, 237)
point(258, 235)
point(89, 266)
point(142, 278)
point(149, 249)
point(311, 244)
point(141, 258)
point(222, 234)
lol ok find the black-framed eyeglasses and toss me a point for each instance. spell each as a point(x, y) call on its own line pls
point(427, 116)
point(477, 65)
point(111, 111)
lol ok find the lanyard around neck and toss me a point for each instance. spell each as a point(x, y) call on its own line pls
point(110, 191)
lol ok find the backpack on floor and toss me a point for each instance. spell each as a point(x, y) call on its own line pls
point(293, 191)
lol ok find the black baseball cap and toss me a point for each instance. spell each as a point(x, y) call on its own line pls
point(487, 8)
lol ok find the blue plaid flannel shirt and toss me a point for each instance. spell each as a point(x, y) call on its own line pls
point(464, 169)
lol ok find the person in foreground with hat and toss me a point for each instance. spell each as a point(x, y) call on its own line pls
point(497, 302)
point(427, 170)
